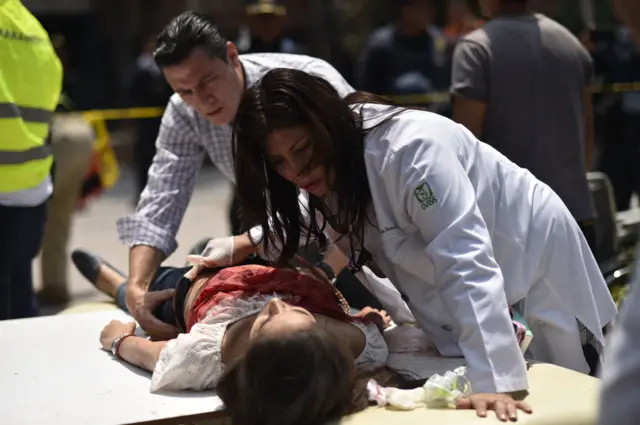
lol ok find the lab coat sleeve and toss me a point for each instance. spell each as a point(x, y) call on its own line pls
point(621, 372)
point(433, 189)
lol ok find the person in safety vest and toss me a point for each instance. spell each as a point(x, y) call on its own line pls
point(30, 86)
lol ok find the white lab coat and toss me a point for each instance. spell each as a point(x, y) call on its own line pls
point(485, 235)
point(463, 233)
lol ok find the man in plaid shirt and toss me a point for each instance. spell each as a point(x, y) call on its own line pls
point(209, 78)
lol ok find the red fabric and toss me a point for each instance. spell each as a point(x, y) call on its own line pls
point(243, 281)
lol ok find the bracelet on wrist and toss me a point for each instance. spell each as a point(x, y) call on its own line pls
point(115, 345)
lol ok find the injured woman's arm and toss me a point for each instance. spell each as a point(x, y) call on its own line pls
point(138, 351)
point(141, 352)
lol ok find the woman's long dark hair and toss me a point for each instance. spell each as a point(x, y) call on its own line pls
point(287, 98)
point(308, 377)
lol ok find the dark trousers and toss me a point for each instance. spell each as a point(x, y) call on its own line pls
point(21, 233)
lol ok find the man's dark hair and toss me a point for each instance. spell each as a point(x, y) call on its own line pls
point(186, 32)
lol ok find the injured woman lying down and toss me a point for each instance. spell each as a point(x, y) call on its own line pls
point(280, 345)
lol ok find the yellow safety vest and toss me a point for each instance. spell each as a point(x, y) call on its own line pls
point(30, 86)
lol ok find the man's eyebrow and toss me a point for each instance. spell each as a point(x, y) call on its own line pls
point(205, 77)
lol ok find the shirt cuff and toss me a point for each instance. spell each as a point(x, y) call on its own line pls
point(133, 230)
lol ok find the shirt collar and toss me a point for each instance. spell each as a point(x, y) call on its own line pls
point(251, 73)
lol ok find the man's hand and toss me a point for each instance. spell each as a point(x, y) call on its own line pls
point(141, 304)
point(503, 404)
point(113, 330)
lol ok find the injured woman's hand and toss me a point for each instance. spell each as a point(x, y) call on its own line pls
point(113, 331)
point(379, 317)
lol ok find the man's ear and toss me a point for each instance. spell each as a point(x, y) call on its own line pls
point(232, 54)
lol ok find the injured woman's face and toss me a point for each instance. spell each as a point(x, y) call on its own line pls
point(278, 318)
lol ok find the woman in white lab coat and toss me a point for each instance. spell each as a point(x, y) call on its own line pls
point(462, 232)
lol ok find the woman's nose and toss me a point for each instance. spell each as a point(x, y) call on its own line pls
point(275, 306)
point(299, 168)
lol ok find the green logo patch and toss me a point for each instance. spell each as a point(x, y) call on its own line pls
point(425, 196)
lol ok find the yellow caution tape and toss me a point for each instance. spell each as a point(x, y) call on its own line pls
point(122, 114)
point(615, 88)
point(109, 171)
point(438, 97)
point(108, 163)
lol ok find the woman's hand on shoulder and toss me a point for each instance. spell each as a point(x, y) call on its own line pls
point(504, 405)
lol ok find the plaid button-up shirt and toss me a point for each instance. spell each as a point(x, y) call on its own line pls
point(183, 140)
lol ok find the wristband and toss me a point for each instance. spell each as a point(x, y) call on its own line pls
point(115, 345)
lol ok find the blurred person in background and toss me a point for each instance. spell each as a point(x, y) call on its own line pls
point(30, 86)
point(521, 83)
point(209, 78)
point(460, 20)
point(629, 12)
point(621, 372)
point(148, 89)
point(407, 57)
point(70, 79)
point(72, 145)
point(264, 33)
point(619, 150)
